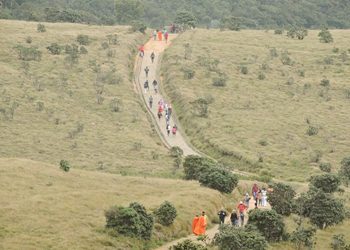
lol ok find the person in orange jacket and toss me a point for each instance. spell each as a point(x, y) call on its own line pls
point(201, 225)
point(194, 223)
point(160, 35)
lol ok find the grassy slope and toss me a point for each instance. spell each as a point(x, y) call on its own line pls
point(42, 207)
point(249, 110)
point(122, 141)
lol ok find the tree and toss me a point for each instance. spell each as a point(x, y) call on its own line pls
point(268, 222)
point(327, 182)
point(195, 165)
point(54, 49)
point(138, 26)
point(303, 237)
point(282, 198)
point(231, 23)
point(185, 19)
point(239, 238)
point(130, 221)
point(325, 36)
point(128, 10)
point(322, 208)
point(83, 39)
point(64, 165)
point(219, 179)
point(166, 213)
point(299, 33)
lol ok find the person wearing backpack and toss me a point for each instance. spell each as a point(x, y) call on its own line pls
point(152, 57)
point(222, 215)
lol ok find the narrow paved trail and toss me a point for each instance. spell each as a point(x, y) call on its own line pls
point(170, 140)
point(158, 47)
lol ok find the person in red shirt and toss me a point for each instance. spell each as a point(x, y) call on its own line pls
point(241, 209)
point(142, 50)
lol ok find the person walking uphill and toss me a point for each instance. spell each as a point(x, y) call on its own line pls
point(194, 223)
point(222, 215)
point(146, 86)
point(142, 50)
point(152, 57)
point(155, 35)
point(146, 71)
point(201, 225)
point(150, 100)
point(241, 208)
point(166, 36)
point(160, 35)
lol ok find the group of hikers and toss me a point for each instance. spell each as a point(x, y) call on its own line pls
point(237, 215)
point(163, 109)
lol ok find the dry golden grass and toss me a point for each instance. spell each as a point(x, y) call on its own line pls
point(119, 142)
point(249, 112)
point(42, 207)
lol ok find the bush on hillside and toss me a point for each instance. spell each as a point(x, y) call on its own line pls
point(324, 82)
point(104, 45)
point(244, 70)
point(188, 72)
point(220, 80)
point(230, 23)
point(195, 165)
point(325, 167)
point(185, 19)
point(299, 33)
point(219, 179)
point(282, 198)
point(83, 39)
point(130, 221)
point(54, 49)
point(327, 182)
point(269, 223)
point(285, 59)
point(344, 171)
point(322, 208)
point(83, 50)
point(41, 28)
point(239, 238)
point(273, 52)
point(72, 52)
point(29, 39)
point(166, 213)
point(188, 245)
point(339, 242)
point(64, 165)
point(200, 107)
point(311, 130)
point(138, 26)
point(28, 54)
point(303, 237)
point(112, 39)
point(279, 31)
point(176, 151)
point(325, 36)
point(116, 105)
point(261, 76)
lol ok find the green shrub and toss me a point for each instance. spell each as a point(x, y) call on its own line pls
point(83, 50)
point(244, 70)
point(188, 73)
point(339, 243)
point(200, 107)
point(325, 36)
point(327, 182)
point(301, 72)
point(268, 222)
point(299, 33)
point(239, 238)
point(187, 245)
point(166, 213)
point(311, 130)
point(303, 237)
point(116, 105)
point(322, 208)
point(112, 39)
point(220, 81)
point(281, 199)
point(41, 28)
point(231, 23)
point(105, 45)
point(273, 52)
point(324, 82)
point(279, 31)
point(195, 165)
point(72, 52)
point(328, 60)
point(261, 76)
point(344, 171)
point(83, 39)
point(290, 81)
point(335, 50)
point(219, 179)
point(54, 49)
point(138, 26)
point(176, 151)
point(64, 165)
point(285, 59)
point(130, 221)
point(28, 54)
point(325, 167)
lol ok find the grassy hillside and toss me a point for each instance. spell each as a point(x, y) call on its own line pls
point(43, 207)
point(54, 102)
point(261, 120)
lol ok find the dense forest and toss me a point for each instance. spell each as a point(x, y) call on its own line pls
point(208, 13)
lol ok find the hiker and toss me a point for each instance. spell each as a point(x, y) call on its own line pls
point(142, 50)
point(259, 198)
point(167, 118)
point(152, 57)
point(174, 130)
point(155, 86)
point(263, 197)
point(155, 35)
point(222, 214)
point(146, 71)
point(234, 218)
point(255, 190)
point(168, 128)
point(160, 109)
point(247, 200)
point(159, 115)
point(201, 225)
point(160, 36)
point(241, 209)
point(194, 223)
point(166, 36)
point(170, 110)
point(146, 86)
point(150, 100)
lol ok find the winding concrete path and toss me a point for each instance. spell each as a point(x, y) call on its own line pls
point(169, 140)
point(140, 77)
